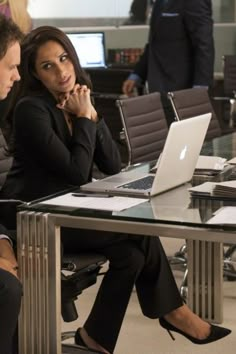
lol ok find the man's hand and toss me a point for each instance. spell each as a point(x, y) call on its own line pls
point(128, 87)
point(7, 257)
point(8, 266)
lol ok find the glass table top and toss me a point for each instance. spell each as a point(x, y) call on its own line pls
point(172, 207)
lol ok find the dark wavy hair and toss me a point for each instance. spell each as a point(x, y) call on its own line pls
point(29, 83)
point(32, 42)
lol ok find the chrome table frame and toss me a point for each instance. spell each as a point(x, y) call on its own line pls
point(39, 257)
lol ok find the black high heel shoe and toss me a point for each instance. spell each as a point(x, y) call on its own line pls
point(79, 341)
point(216, 333)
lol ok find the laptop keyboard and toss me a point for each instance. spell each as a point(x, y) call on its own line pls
point(142, 183)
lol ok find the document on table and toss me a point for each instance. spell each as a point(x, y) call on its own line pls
point(224, 215)
point(232, 161)
point(226, 189)
point(210, 163)
point(90, 202)
point(204, 189)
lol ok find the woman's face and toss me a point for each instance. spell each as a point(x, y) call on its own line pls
point(54, 68)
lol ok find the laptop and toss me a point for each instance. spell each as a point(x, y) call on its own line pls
point(176, 166)
point(90, 48)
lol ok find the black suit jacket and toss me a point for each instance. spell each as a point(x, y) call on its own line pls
point(3, 230)
point(47, 159)
point(180, 50)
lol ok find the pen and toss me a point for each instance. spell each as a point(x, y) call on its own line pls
point(91, 195)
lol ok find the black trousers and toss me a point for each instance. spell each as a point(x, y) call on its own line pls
point(10, 300)
point(133, 260)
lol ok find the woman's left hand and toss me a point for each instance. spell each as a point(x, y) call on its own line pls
point(78, 102)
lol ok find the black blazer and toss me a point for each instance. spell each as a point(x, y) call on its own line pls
point(47, 159)
point(180, 50)
point(3, 231)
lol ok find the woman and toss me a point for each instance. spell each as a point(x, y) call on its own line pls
point(17, 10)
point(57, 137)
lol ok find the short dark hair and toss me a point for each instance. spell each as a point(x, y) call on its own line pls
point(9, 34)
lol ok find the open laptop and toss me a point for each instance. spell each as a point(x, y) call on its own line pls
point(90, 48)
point(176, 166)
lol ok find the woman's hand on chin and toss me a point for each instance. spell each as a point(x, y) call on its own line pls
point(77, 102)
point(62, 99)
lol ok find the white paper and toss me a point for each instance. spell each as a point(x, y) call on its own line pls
point(98, 203)
point(224, 215)
point(232, 161)
point(231, 184)
point(210, 163)
point(205, 188)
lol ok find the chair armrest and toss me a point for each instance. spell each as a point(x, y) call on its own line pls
point(221, 98)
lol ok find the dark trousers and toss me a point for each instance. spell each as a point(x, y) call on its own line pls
point(10, 300)
point(133, 260)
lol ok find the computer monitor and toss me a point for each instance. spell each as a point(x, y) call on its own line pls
point(90, 48)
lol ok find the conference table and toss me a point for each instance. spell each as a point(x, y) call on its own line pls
point(172, 214)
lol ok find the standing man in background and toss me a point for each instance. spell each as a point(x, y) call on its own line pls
point(10, 287)
point(180, 49)
point(138, 13)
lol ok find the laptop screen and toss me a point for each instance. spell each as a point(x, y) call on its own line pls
point(90, 48)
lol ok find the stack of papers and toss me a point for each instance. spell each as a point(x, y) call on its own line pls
point(209, 165)
point(225, 189)
point(204, 189)
point(216, 189)
point(232, 161)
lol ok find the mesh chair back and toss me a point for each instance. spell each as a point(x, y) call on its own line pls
point(145, 126)
point(193, 102)
point(229, 75)
point(5, 160)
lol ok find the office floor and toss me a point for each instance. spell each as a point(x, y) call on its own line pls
point(140, 335)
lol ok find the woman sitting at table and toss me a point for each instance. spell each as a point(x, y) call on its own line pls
point(58, 135)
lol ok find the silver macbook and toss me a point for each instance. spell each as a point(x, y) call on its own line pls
point(176, 166)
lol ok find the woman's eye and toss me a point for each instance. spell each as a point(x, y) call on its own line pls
point(64, 57)
point(47, 66)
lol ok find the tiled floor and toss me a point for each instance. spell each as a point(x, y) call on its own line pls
point(140, 335)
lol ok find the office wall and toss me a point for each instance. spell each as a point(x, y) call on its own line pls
point(136, 37)
point(75, 13)
point(78, 8)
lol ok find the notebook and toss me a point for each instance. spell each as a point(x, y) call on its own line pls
point(176, 166)
point(90, 48)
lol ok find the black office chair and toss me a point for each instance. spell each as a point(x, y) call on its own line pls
point(229, 86)
point(82, 269)
point(192, 102)
point(107, 108)
point(144, 126)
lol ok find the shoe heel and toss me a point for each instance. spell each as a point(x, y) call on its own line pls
point(170, 334)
